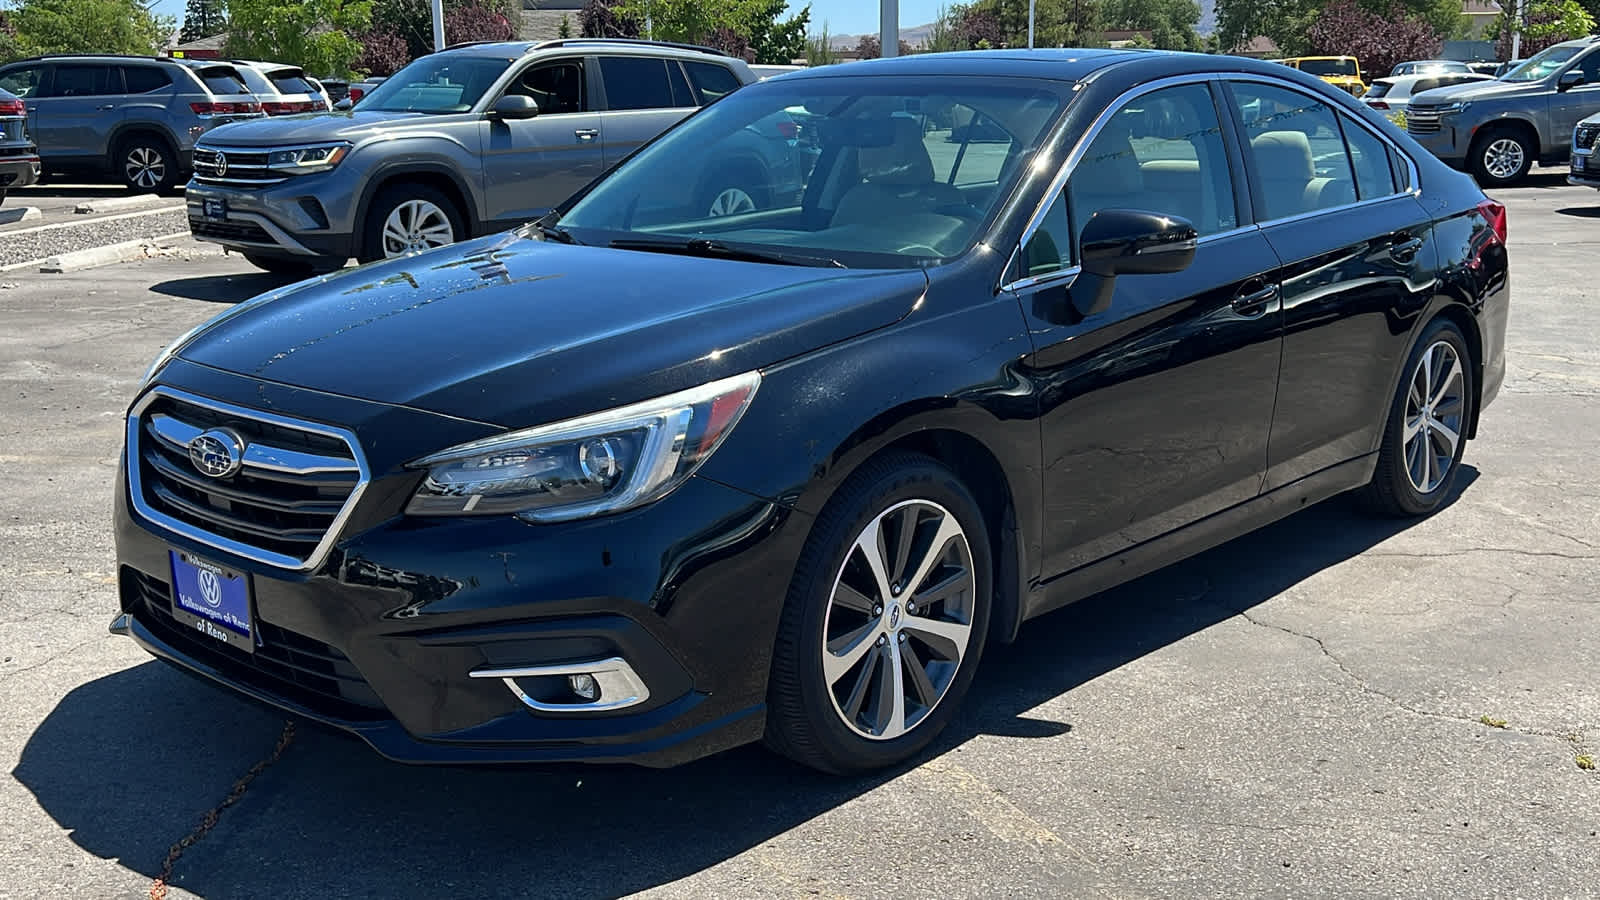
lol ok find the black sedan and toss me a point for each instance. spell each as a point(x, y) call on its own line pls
point(19, 158)
point(637, 483)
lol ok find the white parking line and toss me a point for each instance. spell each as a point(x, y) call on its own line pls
point(79, 223)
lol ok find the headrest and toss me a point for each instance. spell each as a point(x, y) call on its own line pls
point(1110, 165)
point(904, 161)
point(1284, 154)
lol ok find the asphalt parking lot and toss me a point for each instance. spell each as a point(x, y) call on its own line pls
point(1332, 707)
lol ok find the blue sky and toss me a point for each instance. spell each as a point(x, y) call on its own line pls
point(843, 16)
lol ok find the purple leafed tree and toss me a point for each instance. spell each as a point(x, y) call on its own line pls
point(732, 43)
point(978, 29)
point(471, 22)
point(869, 47)
point(600, 20)
point(1378, 41)
point(383, 52)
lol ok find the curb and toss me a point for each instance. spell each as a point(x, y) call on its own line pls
point(17, 214)
point(95, 257)
point(119, 204)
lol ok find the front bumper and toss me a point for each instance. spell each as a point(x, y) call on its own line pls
point(381, 639)
point(1585, 170)
point(299, 217)
point(1449, 143)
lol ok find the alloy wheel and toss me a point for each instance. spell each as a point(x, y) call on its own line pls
point(899, 619)
point(1503, 157)
point(416, 225)
point(145, 167)
point(1435, 408)
point(732, 201)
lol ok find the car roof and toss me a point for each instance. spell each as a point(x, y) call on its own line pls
point(1067, 64)
point(598, 46)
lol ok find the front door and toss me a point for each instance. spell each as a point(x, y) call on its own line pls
point(77, 112)
point(1155, 412)
point(532, 165)
point(1570, 106)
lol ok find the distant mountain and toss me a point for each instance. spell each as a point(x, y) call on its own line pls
point(912, 36)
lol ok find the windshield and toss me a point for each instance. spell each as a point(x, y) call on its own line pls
point(1542, 65)
point(1328, 66)
point(873, 172)
point(438, 84)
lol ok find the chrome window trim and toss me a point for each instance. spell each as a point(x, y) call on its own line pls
point(1071, 272)
point(238, 548)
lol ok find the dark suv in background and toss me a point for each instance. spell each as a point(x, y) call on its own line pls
point(19, 160)
point(473, 140)
point(133, 119)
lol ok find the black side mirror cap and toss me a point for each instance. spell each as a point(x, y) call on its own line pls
point(515, 106)
point(1569, 80)
point(1128, 242)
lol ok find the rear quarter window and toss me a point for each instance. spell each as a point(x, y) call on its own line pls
point(144, 79)
point(222, 80)
point(292, 82)
point(711, 82)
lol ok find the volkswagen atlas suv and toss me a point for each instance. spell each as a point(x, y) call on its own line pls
point(639, 482)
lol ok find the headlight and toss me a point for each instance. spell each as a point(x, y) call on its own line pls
point(593, 465)
point(1455, 107)
point(306, 160)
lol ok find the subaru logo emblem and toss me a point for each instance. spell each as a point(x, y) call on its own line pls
point(217, 453)
point(222, 164)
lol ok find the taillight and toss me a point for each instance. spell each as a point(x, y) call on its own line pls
point(356, 94)
point(11, 108)
point(1377, 104)
point(223, 108)
point(1495, 213)
point(788, 130)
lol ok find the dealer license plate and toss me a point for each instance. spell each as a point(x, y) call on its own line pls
point(215, 209)
point(212, 600)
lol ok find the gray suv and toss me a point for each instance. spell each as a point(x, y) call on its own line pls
point(475, 139)
point(132, 118)
point(1498, 129)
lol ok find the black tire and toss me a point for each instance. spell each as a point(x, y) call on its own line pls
point(740, 181)
point(1393, 490)
point(804, 720)
point(286, 265)
point(1492, 142)
point(146, 164)
point(388, 200)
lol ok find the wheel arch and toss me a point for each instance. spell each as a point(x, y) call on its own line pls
point(1515, 124)
point(125, 131)
point(439, 176)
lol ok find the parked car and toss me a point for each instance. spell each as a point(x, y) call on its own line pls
point(336, 88)
point(322, 91)
point(469, 141)
point(1507, 66)
point(1343, 72)
point(19, 159)
point(1391, 96)
point(634, 483)
point(1585, 168)
point(131, 118)
point(1487, 67)
point(362, 88)
point(765, 72)
point(1498, 130)
point(283, 90)
point(1429, 67)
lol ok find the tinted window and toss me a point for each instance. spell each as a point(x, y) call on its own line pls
point(291, 81)
point(223, 80)
point(1297, 155)
point(1369, 156)
point(1379, 89)
point(1328, 66)
point(23, 80)
point(258, 83)
point(1422, 84)
point(711, 82)
point(144, 79)
point(681, 95)
point(557, 88)
point(1542, 64)
point(439, 84)
point(1162, 152)
point(1590, 67)
point(636, 83)
point(84, 81)
point(1050, 248)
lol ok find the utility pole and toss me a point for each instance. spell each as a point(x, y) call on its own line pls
point(438, 25)
point(1516, 29)
point(889, 27)
point(1031, 5)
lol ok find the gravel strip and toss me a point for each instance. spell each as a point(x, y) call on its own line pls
point(17, 248)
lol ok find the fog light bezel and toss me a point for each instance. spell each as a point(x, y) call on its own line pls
point(620, 687)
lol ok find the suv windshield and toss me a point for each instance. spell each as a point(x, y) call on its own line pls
point(881, 172)
point(1328, 66)
point(436, 84)
point(291, 81)
point(1542, 65)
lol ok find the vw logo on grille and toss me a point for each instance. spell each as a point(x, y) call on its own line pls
point(221, 164)
point(210, 588)
point(217, 453)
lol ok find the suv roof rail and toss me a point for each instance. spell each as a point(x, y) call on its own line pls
point(628, 42)
point(50, 56)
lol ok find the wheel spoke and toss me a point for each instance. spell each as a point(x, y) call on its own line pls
point(858, 694)
point(1448, 438)
point(947, 639)
point(1451, 377)
point(1448, 408)
point(1427, 372)
point(891, 700)
point(944, 591)
point(1414, 464)
point(844, 652)
point(948, 531)
point(1412, 426)
point(870, 544)
point(921, 687)
point(1430, 464)
point(848, 597)
point(905, 533)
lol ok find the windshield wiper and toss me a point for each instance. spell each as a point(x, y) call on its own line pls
point(555, 233)
point(717, 250)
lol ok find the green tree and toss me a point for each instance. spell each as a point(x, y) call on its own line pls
point(202, 19)
point(779, 41)
point(1286, 22)
point(313, 34)
point(773, 39)
point(819, 48)
point(87, 26)
point(1170, 22)
point(565, 31)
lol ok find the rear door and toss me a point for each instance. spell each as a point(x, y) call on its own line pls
point(28, 83)
point(644, 96)
point(531, 165)
point(1334, 199)
point(80, 109)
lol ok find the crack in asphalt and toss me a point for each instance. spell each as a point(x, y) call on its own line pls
point(1466, 551)
point(53, 657)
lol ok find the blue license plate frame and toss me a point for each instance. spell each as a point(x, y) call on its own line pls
point(214, 600)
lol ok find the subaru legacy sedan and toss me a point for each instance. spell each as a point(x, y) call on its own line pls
point(638, 483)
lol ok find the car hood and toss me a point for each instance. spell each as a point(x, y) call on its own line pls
point(515, 331)
point(303, 129)
point(1478, 90)
point(1592, 120)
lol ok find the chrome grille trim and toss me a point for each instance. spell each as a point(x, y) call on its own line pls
point(267, 462)
point(1422, 120)
point(1583, 137)
point(246, 167)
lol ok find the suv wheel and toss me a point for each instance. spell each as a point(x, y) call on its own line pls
point(409, 218)
point(146, 164)
point(1502, 157)
point(733, 194)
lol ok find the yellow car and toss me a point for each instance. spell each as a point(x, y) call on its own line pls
point(1343, 72)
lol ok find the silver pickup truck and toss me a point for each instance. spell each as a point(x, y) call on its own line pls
point(1498, 130)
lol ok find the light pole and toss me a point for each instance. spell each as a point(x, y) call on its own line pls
point(1516, 28)
point(889, 27)
point(1031, 4)
point(438, 25)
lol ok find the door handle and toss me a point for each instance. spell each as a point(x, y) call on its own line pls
point(109, 106)
point(586, 134)
point(1405, 251)
point(1254, 303)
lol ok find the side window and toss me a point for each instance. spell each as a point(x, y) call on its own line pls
point(23, 81)
point(1369, 156)
point(1590, 67)
point(144, 79)
point(636, 82)
point(84, 81)
point(1296, 153)
point(681, 94)
point(556, 87)
point(1050, 248)
point(1402, 170)
point(1161, 152)
point(711, 81)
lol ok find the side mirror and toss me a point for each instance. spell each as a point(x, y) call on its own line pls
point(1128, 242)
point(514, 106)
point(343, 104)
point(1569, 80)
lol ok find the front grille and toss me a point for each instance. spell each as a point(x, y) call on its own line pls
point(1584, 137)
point(286, 663)
point(240, 168)
point(244, 232)
point(293, 487)
point(1422, 120)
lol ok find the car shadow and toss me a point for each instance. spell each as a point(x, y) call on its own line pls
point(224, 288)
point(1581, 212)
point(129, 763)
